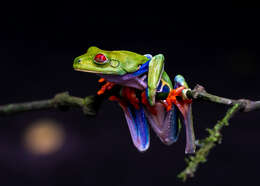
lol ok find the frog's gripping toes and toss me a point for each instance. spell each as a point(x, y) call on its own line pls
point(141, 77)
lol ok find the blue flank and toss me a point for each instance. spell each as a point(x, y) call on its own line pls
point(166, 88)
point(144, 67)
point(159, 86)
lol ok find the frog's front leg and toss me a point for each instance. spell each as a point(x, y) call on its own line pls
point(156, 68)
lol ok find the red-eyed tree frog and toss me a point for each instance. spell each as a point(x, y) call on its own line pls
point(140, 78)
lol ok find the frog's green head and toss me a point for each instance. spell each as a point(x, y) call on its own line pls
point(108, 62)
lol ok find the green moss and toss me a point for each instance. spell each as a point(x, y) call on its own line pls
point(206, 145)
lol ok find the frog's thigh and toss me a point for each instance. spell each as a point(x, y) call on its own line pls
point(156, 67)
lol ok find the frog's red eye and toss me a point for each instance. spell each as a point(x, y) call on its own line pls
point(100, 59)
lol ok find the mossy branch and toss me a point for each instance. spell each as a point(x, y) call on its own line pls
point(215, 136)
point(90, 105)
point(207, 144)
point(62, 101)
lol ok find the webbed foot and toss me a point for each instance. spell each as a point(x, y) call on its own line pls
point(173, 98)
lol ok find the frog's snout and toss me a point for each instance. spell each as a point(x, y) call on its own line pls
point(76, 62)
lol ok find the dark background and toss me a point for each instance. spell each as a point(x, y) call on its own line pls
point(215, 47)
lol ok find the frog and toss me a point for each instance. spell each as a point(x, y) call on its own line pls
point(140, 78)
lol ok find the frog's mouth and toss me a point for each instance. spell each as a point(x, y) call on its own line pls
point(99, 72)
point(89, 71)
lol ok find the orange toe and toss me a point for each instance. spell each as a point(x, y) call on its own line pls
point(106, 86)
point(101, 80)
point(171, 99)
point(130, 94)
point(121, 102)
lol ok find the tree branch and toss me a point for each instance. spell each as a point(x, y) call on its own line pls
point(199, 93)
point(62, 101)
point(90, 105)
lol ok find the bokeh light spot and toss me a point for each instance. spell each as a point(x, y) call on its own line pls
point(44, 137)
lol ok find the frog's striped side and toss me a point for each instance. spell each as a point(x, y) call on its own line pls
point(165, 84)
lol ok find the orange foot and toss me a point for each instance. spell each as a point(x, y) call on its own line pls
point(121, 102)
point(130, 95)
point(106, 86)
point(171, 99)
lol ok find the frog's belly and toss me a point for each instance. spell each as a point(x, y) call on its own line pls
point(137, 82)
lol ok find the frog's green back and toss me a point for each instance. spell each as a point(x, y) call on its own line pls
point(118, 62)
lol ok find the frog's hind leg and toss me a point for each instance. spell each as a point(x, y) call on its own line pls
point(184, 106)
point(155, 72)
point(135, 117)
point(164, 123)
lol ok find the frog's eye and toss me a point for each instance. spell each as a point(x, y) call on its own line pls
point(100, 59)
